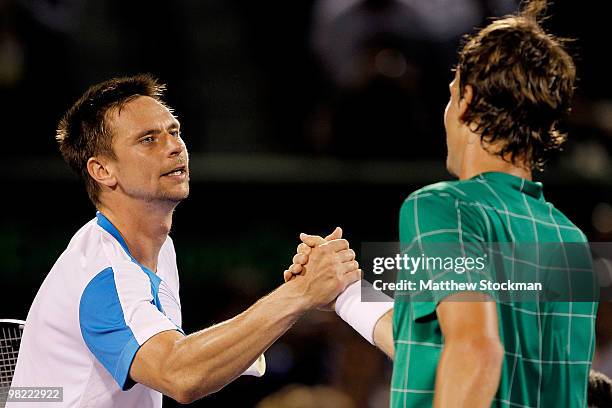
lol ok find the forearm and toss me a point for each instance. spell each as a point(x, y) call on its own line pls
point(207, 360)
point(468, 373)
point(383, 334)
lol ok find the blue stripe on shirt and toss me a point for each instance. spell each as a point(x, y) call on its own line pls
point(104, 328)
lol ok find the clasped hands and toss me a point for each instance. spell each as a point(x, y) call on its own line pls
point(328, 263)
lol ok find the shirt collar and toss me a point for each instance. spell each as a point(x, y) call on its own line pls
point(111, 229)
point(532, 188)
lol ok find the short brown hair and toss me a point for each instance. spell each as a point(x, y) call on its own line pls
point(523, 83)
point(83, 131)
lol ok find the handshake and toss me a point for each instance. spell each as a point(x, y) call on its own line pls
point(329, 278)
point(326, 266)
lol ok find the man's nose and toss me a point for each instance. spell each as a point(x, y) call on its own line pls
point(174, 145)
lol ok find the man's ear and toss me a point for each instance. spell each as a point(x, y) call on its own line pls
point(466, 100)
point(101, 170)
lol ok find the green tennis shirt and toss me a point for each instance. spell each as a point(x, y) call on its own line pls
point(548, 346)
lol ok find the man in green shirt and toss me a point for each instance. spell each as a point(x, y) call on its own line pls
point(513, 83)
point(516, 354)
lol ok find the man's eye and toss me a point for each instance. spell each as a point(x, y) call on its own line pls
point(175, 133)
point(148, 139)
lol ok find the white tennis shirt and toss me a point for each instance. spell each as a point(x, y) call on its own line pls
point(95, 308)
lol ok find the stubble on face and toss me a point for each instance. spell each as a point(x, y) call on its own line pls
point(148, 146)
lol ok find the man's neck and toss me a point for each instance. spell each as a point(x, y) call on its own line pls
point(143, 226)
point(477, 160)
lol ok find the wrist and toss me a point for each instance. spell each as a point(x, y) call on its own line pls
point(297, 296)
point(362, 315)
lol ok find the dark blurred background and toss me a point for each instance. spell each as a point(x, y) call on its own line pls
point(299, 116)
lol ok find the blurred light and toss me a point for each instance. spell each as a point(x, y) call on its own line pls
point(603, 268)
point(390, 63)
point(602, 114)
point(602, 218)
point(592, 160)
point(12, 57)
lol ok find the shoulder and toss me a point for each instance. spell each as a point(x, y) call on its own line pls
point(443, 206)
point(82, 239)
point(90, 250)
point(570, 231)
point(93, 241)
point(462, 191)
point(445, 195)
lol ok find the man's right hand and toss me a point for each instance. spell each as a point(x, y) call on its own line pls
point(374, 323)
point(301, 258)
point(303, 251)
point(331, 268)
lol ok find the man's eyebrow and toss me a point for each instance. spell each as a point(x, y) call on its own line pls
point(153, 131)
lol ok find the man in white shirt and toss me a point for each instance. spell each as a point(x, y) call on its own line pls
point(105, 324)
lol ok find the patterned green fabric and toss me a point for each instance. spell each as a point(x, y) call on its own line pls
point(548, 345)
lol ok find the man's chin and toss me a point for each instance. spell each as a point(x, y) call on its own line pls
point(176, 196)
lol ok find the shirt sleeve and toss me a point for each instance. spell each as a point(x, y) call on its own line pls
point(117, 315)
point(439, 227)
